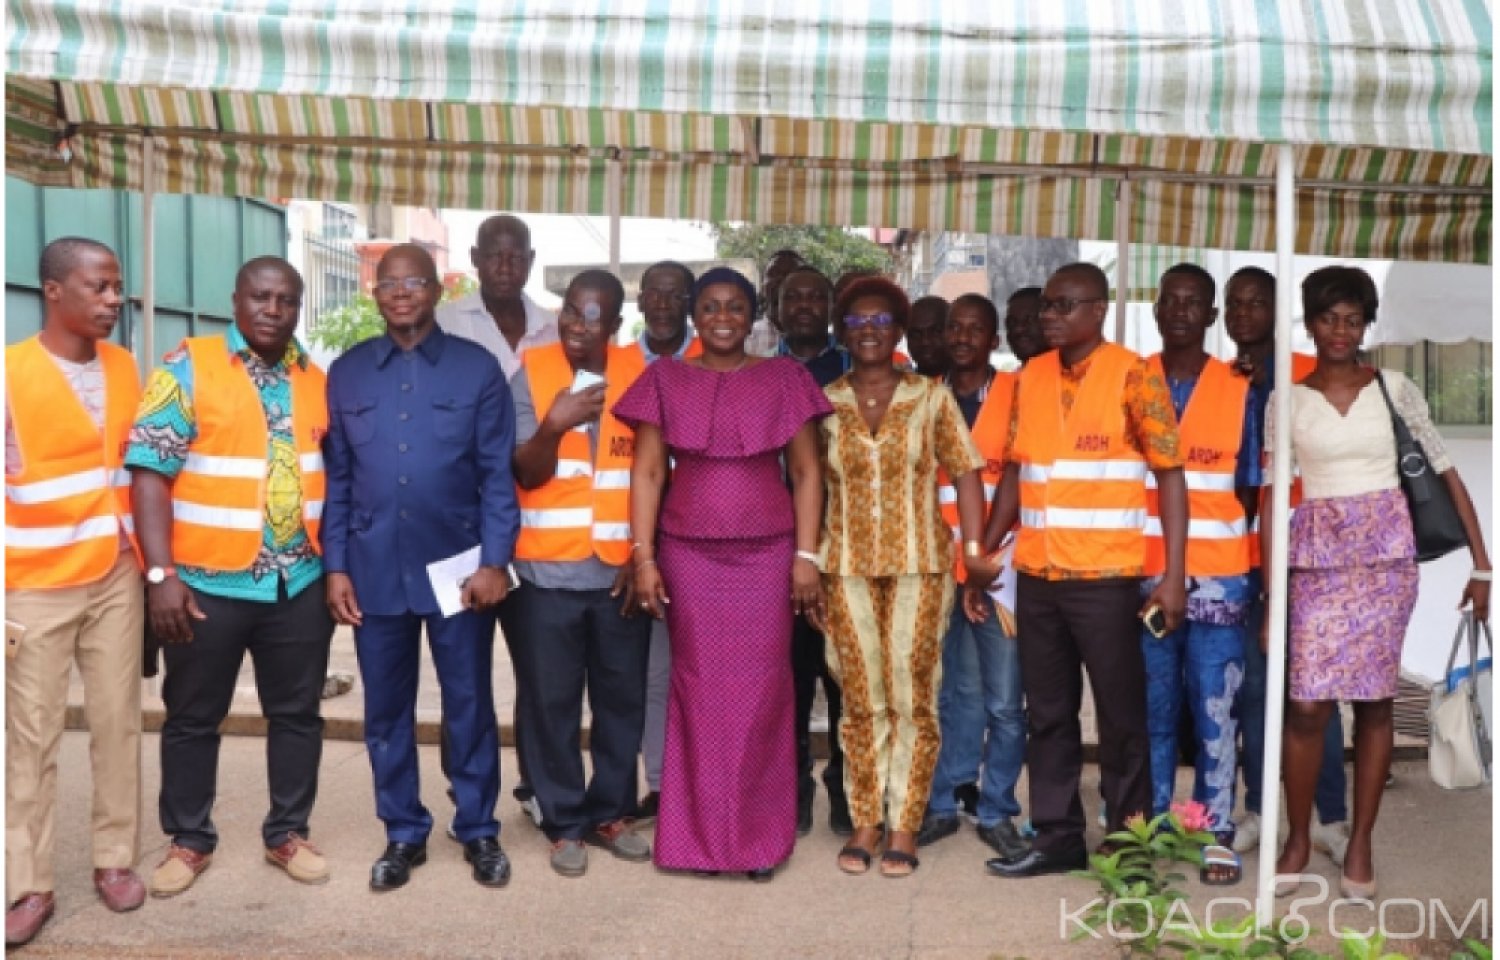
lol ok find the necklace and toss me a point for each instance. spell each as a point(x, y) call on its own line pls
point(870, 401)
point(743, 360)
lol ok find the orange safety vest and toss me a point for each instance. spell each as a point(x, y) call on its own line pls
point(1211, 428)
point(219, 497)
point(584, 510)
point(1302, 365)
point(1083, 486)
point(64, 511)
point(991, 430)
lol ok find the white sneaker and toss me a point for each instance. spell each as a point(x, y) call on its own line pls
point(532, 807)
point(1332, 839)
point(1247, 833)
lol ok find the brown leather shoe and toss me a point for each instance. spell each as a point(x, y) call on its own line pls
point(25, 918)
point(301, 860)
point(120, 888)
point(178, 871)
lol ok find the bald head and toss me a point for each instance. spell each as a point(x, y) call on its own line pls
point(504, 225)
point(1089, 275)
point(411, 253)
point(255, 266)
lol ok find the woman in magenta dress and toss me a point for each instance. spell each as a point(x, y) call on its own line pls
point(728, 557)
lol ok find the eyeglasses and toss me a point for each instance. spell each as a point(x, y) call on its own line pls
point(390, 285)
point(1064, 305)
point(667, 296)
point(857, 321)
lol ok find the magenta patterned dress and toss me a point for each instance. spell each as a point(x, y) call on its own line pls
point(725, 546)
point(1351, 592)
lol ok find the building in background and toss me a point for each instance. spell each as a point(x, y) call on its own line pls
point(201, 241)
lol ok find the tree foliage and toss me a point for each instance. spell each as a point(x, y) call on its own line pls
point(360, 319)
point(832, 250)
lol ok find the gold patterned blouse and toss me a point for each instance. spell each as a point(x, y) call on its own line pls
point(882, 518)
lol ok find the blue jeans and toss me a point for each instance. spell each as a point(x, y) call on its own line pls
point(1204, 663)
point(980, 693)
point(1329, 797)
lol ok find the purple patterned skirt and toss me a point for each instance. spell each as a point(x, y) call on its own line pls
point(1353, 585)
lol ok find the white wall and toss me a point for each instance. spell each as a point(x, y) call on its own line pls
point(1436, 617)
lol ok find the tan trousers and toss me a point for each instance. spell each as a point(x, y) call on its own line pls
point(885, 648)
point(99, 626)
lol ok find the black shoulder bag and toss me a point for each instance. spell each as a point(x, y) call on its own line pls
point(1434, 518)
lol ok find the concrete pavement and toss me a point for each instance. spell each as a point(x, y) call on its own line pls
point(1429, 844)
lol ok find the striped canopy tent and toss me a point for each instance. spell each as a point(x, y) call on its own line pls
point(1343, 128)
point(1150, 122)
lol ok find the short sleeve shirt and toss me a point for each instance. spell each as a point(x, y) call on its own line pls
point(164, 431)
point(1151, 430)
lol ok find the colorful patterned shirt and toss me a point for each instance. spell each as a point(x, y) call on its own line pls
point(164, 431)
point(882, 517)
point(1151, 430)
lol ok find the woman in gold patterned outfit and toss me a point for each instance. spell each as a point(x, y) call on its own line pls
point(887, 559)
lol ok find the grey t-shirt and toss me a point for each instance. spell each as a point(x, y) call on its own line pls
point(590, 574)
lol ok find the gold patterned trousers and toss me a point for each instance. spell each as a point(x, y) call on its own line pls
point(885, 648)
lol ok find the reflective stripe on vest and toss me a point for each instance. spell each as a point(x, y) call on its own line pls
point(584, 510)
point(1210, 430)
point(219, 497)
point(65, 510)
point(1082, 485)
point(990, 431)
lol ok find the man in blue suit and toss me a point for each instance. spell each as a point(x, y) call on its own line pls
point(421, 432)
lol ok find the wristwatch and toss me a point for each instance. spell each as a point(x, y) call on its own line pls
point(160, 574)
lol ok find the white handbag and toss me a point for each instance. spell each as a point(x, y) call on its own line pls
point(1458, 751)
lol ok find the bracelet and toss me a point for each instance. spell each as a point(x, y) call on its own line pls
point(647, 562)
point(636, 545)
point(1483, 576)
point(973, 548)
point(809, 556)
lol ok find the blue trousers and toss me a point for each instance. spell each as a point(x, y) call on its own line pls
point(1331, 791)
point(980, 712)
point(462, 651)
point(1202, 664)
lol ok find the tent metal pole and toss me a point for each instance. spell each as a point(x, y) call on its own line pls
point(613, 187)
point(1276, 592)
point(148, 255)
point(1122, 257)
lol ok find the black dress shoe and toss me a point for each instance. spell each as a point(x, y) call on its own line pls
point(394, 867)
point(1036, 863)
point(839, 820)
point(491, 865)
point(763, 875)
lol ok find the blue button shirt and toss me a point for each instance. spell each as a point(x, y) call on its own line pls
point(418, 461)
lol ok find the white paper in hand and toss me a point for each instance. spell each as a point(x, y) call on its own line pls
point(448, 577)
point(1003, 590)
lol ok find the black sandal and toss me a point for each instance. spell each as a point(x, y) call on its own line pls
point(852, 851)
point(898, 858)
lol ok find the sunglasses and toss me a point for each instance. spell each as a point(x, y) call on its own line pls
point(858, 321)
point(1064, 305)
point(409, 284)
